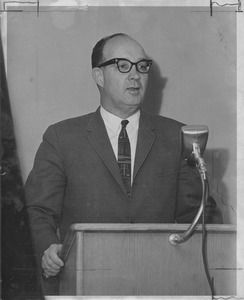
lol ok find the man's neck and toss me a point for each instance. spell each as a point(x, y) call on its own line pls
point(120, 114)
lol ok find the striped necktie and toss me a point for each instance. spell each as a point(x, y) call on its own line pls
point(124, 157)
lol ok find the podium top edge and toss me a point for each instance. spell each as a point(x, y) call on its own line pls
point(133, 297)
point(117, 227)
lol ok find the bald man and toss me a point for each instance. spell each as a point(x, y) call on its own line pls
point(116, 165)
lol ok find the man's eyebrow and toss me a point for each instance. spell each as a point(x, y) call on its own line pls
point(139, 59)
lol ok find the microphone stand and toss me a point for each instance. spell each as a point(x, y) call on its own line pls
point(177, 238)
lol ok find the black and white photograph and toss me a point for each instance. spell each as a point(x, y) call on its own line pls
point(122, 149)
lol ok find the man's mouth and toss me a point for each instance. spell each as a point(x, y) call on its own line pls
point(133, 89)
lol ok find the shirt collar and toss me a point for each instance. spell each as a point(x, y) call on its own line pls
point(114, 123)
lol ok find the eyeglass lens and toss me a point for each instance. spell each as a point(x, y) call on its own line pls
point(125, 66)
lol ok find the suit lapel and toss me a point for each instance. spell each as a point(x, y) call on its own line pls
point(146, 137)
point(97, 135)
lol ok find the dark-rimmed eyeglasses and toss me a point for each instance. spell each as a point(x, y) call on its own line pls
point(125, 65)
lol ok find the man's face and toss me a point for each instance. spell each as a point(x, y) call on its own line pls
point(123, 93)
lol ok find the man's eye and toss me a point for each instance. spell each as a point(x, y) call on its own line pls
point(143, 66)
point(123, 65)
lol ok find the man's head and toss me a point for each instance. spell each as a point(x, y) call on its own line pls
point(122, 85)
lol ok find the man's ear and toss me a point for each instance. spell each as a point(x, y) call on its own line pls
point(97, 75)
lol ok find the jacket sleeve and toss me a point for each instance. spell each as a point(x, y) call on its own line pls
point(189, 197)
point(44, 192)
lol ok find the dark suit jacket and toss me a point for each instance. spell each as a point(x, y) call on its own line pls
point(76, 179)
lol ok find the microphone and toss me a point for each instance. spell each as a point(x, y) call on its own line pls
point(193, 143)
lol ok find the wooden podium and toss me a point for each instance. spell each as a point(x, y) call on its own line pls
point(138, 259)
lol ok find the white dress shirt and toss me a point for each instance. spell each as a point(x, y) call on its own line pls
point(113, 127)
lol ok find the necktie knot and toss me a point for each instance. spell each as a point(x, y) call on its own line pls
point(124, 123)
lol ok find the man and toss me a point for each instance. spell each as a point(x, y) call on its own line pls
point(78, 176)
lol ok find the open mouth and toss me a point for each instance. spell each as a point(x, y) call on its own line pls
point(133, 89)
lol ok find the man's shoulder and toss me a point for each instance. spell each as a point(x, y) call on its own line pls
point(69, 129)
point(74, 121)
point(163, 122)
point(73, 124)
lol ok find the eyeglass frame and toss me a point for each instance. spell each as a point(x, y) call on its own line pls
point(116, 61)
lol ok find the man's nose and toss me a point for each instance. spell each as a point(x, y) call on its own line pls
point(134, 74)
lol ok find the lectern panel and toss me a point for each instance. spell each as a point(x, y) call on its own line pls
point(143, 262)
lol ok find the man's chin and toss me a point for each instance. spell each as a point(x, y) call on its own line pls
point(134, 107)
point(134, 100)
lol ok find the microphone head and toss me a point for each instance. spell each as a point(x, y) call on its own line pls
point(191, 134)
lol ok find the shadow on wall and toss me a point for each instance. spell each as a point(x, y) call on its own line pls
point(154, 95)
point(217, 161)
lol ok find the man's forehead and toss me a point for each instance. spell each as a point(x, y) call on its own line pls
point(123, 47)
